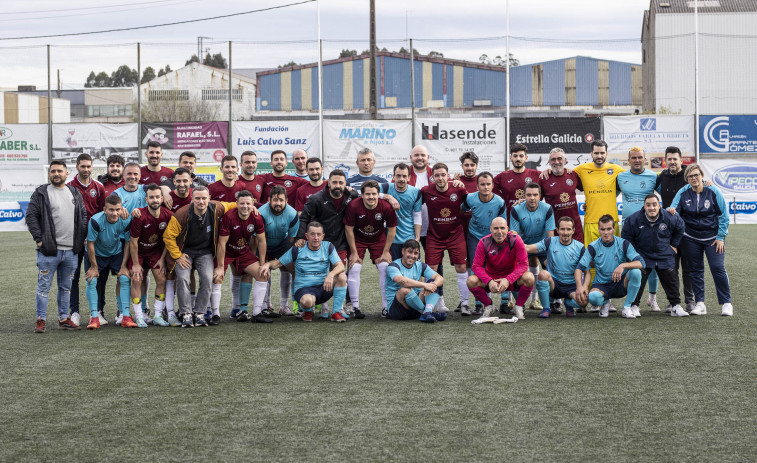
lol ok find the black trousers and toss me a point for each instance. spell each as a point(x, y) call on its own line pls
point(683, 264)
point(669, 281)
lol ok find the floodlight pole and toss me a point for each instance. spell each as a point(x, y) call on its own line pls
point(412, 91)
point(320, 80)
point(49, 112)
point(696, 80)
point(507, 80)
point(139, 103)
point(229, 143)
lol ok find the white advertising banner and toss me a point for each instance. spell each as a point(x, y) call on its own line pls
point(390, 141)
point(23, 144)
point(18, 183)
point(447, 139)
point(263, 137)
point(97, 140)
point(737, 179)
point(653, 133)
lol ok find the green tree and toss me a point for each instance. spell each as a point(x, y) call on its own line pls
point(435, 54)
point(405, 50)
point(289, 64)
point(164, 71)
point(102, 79)
point(193, 59)
point(147, 75)
point(124, 76)
point(346, 53)
point(216, 61)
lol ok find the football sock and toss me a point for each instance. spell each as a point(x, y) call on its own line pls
point(285, 284)
point(481, 295)
point(505, 298)
point(159, 304)
point(523, 294)
point(653, 281)
point(170, 297)
point(137, 303)
point(124, 294)
point(542, 287)
point(353, 283)
point(235, 280)
point(462, 287)
point(340, 292)
point(414, 302)
point(258, 294)
point(634, 285)
point(267, 301)
point(245, 288)
point(432, 299)
point(382, 281)
point(215, 299)
point(92, 296)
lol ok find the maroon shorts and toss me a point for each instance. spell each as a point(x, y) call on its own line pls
point(458, 253)
point(240, 261)
point(375, 249)
point(343, 255)
point(146, 260)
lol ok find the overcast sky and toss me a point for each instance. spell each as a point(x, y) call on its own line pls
point(561, 29)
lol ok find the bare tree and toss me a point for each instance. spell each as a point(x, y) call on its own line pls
point(181, 111)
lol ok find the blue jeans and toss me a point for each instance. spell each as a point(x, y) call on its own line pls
point(695, 251)
point(64, 264)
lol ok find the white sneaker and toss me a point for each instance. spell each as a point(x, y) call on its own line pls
point(699, 309)
point(441, 306)
point(727, 310)
point(147, 319)
point(118, 319)
point(519, 312)
point(594, 308)
point(75, 318)
point(628, 312)
point(652, 303)
point(678, 311)
point(488, 311)
point(286, 311)
point(612, 308)
point(636, 311)
point(464, 310)
point(103, 321)
point(690, 306)
point(669, 309)
point(604, 311)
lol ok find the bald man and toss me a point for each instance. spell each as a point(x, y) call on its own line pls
point(501, 264)
point(300, 160)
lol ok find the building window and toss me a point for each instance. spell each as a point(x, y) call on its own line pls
point(168, 95)
point(212, 94)
point(110, 110)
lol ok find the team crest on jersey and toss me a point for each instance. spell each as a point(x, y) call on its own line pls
point(520, 194)
point(706, 203)
point(445, 212)
point(258, 188)
point(610, 171)
point(288, 183)
point(643, 185)
point(163, 178)
point(453, 197)
point(378, 216)
point(528, 179)
point(250, 228)
point(162, 225)
point(569, 182)
point(663, 227)
point(153, 238)
point(93, 193)
point(564, 197)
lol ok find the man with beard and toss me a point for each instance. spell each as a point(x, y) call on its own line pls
point(57, 220)
point(559, 191)
point(299, 159)
point(667, 184)
point(316, 184)
point(93, 195)
point(153, 172)
point(278, 177)
point(187, 160)
point(147, 253)
point(238, 231)
point(510, 185)
point(227, 188)
point(370, 224)
point(181, 195)
point(248, 180)
point(113, 179)
point(328, 207)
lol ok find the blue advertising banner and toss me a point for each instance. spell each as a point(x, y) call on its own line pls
point(728, 134)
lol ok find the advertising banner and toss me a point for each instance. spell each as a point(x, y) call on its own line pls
point(728, 134)
point(390, 141)
point(13, 216)
point(18, 184)
point(653, 133)
point(541, 134)
point(97, 140)
point(23, 144)
point(207, 140)
point(737, 179)
point(263, 137)
point(447, 139)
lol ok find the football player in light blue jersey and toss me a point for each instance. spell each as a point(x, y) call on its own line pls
point(534, 220)
point(319, 273)
point(563, 255)
point(411, 287)
point(409, 215)
point(281, 226)
point(618, 270)
point(635, 184)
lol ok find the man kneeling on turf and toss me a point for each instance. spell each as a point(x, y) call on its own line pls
point(501, 264)
point(313, 282)
point(411, 287)
point(618, 270)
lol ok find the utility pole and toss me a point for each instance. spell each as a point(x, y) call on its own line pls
point(58, 92)
point(373, 95)
point(199, 47)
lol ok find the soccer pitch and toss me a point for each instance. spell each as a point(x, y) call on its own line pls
point(656, 388)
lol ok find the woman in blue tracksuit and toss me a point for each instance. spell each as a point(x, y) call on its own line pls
point(703, 210)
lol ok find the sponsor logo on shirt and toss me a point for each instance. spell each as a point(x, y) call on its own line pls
point(288, 183)
point(610, 171)
point(706, 203)
point(564, 197)
point(663, 227)
point(568, 182)
point(453, 197)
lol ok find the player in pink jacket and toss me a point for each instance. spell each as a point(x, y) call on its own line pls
point(501, 264)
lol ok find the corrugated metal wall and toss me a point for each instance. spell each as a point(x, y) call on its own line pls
point(578, 81)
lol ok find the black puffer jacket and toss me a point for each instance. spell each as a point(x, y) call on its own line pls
point(321, 208)
point(39, 220)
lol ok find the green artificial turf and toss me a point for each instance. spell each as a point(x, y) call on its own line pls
point(656, 388)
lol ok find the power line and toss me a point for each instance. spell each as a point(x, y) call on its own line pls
point(87, 8)
point(188, 21)
point(175, 2)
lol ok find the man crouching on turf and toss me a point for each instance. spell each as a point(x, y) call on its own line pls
point(501, 264)
point(313, 282)
point(411, 287)
point(238, 231)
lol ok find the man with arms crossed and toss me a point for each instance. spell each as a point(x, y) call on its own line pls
point(319, 273)
point(501, 264)
point(618, 270)
point(370, 224)
point(411, 288)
